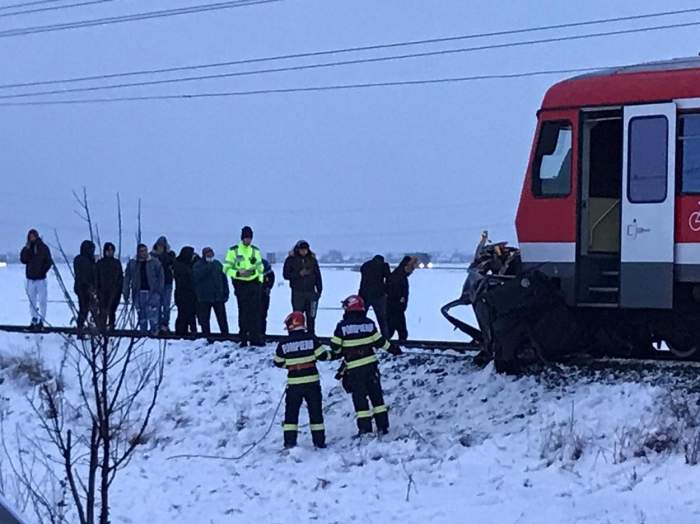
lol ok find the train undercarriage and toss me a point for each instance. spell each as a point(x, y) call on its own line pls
point(523, 318)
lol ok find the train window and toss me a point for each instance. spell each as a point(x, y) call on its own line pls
point(551, 172)
point(688, 151)
point(647, 168)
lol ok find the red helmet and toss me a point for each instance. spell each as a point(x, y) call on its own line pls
point(354, 303)
point(295, 320)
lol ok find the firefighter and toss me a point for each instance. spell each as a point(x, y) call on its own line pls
point(244, 265)
point(354, 340)
point(298, 352)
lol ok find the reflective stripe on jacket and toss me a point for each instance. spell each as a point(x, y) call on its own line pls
point(241, 258)
point(355, 339)
point(298, 353)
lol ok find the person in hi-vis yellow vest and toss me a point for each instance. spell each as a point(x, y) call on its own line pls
point(244, 266)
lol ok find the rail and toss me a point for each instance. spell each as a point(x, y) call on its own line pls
point(440, 345)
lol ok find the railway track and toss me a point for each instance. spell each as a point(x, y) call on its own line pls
point(440, 345)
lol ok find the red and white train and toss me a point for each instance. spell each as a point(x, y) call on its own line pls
point(610, 207)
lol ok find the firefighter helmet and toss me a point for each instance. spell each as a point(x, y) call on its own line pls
point(354, 303)
point(295, 320)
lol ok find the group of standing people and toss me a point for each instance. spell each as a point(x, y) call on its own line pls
point(200, 286)
point(386, 292)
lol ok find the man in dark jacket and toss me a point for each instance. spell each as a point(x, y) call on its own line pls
point(110, 279)
point(304, 275)
point(375, 274)
point(397, 297)
point(143, 283)
point(36, 256)
point(162, 251)
point(267, 284)
point(185, 296)
point(85, 281)
point(211, 286)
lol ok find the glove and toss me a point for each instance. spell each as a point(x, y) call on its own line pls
point(395, 350)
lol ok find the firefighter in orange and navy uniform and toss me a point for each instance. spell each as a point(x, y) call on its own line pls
point(298, 352)
point(355, 339)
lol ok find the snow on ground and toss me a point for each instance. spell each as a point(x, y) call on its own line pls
point(571, 445)
point(430, 289)
point(566, 446)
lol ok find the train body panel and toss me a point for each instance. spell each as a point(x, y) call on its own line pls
point(610, 205)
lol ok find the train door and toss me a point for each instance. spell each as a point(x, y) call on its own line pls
point(648, 202)
point(598, 249)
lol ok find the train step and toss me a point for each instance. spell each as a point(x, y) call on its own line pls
point(604, 289)
point(609, 305)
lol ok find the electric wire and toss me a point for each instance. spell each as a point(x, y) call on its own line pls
point(307, 89)
point(54, 8)
point(27, 4)
point(326, 52)
point(131, 17)
point(356, 61)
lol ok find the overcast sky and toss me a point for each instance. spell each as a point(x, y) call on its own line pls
point(398, 168)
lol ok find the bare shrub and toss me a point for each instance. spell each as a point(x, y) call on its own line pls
point(562, 442)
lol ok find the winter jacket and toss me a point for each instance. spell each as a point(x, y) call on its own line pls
point(167, 260)
point(84, 268)
point(375, 274)
point(109, 278)
point(210, 282)
point(184, 278)
point(268, 278)
point(132, 277)
point(37, 257)
point(308, 282)
point(355, 339)
point(241, 258)
point(397, 285)
point(298, 353)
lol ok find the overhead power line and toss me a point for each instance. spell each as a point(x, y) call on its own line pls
point(54, 8)
point(27, 4)
point(132, 17)
point(347, 62)
point(354, 49)
point(306, 89)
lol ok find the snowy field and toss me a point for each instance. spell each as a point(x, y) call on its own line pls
point(430, 289)
point(466, 444)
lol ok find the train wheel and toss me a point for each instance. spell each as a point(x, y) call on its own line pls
point(682, 348)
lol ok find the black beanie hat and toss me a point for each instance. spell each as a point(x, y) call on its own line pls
point(246, 232)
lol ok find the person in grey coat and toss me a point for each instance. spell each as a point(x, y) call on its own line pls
point(143, 283)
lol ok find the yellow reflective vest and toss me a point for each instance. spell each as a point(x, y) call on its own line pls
point(240, 259)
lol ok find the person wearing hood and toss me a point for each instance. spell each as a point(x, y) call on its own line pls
point(244, 266)
point(162, 251)
point(85, 281)
point(375, 274)
point(143, 283)
point(267, 284)
point(397, 297)
point(211, 286)
point(304, 274)
point(36, 256)
point(110, 278)
point(185, 296)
